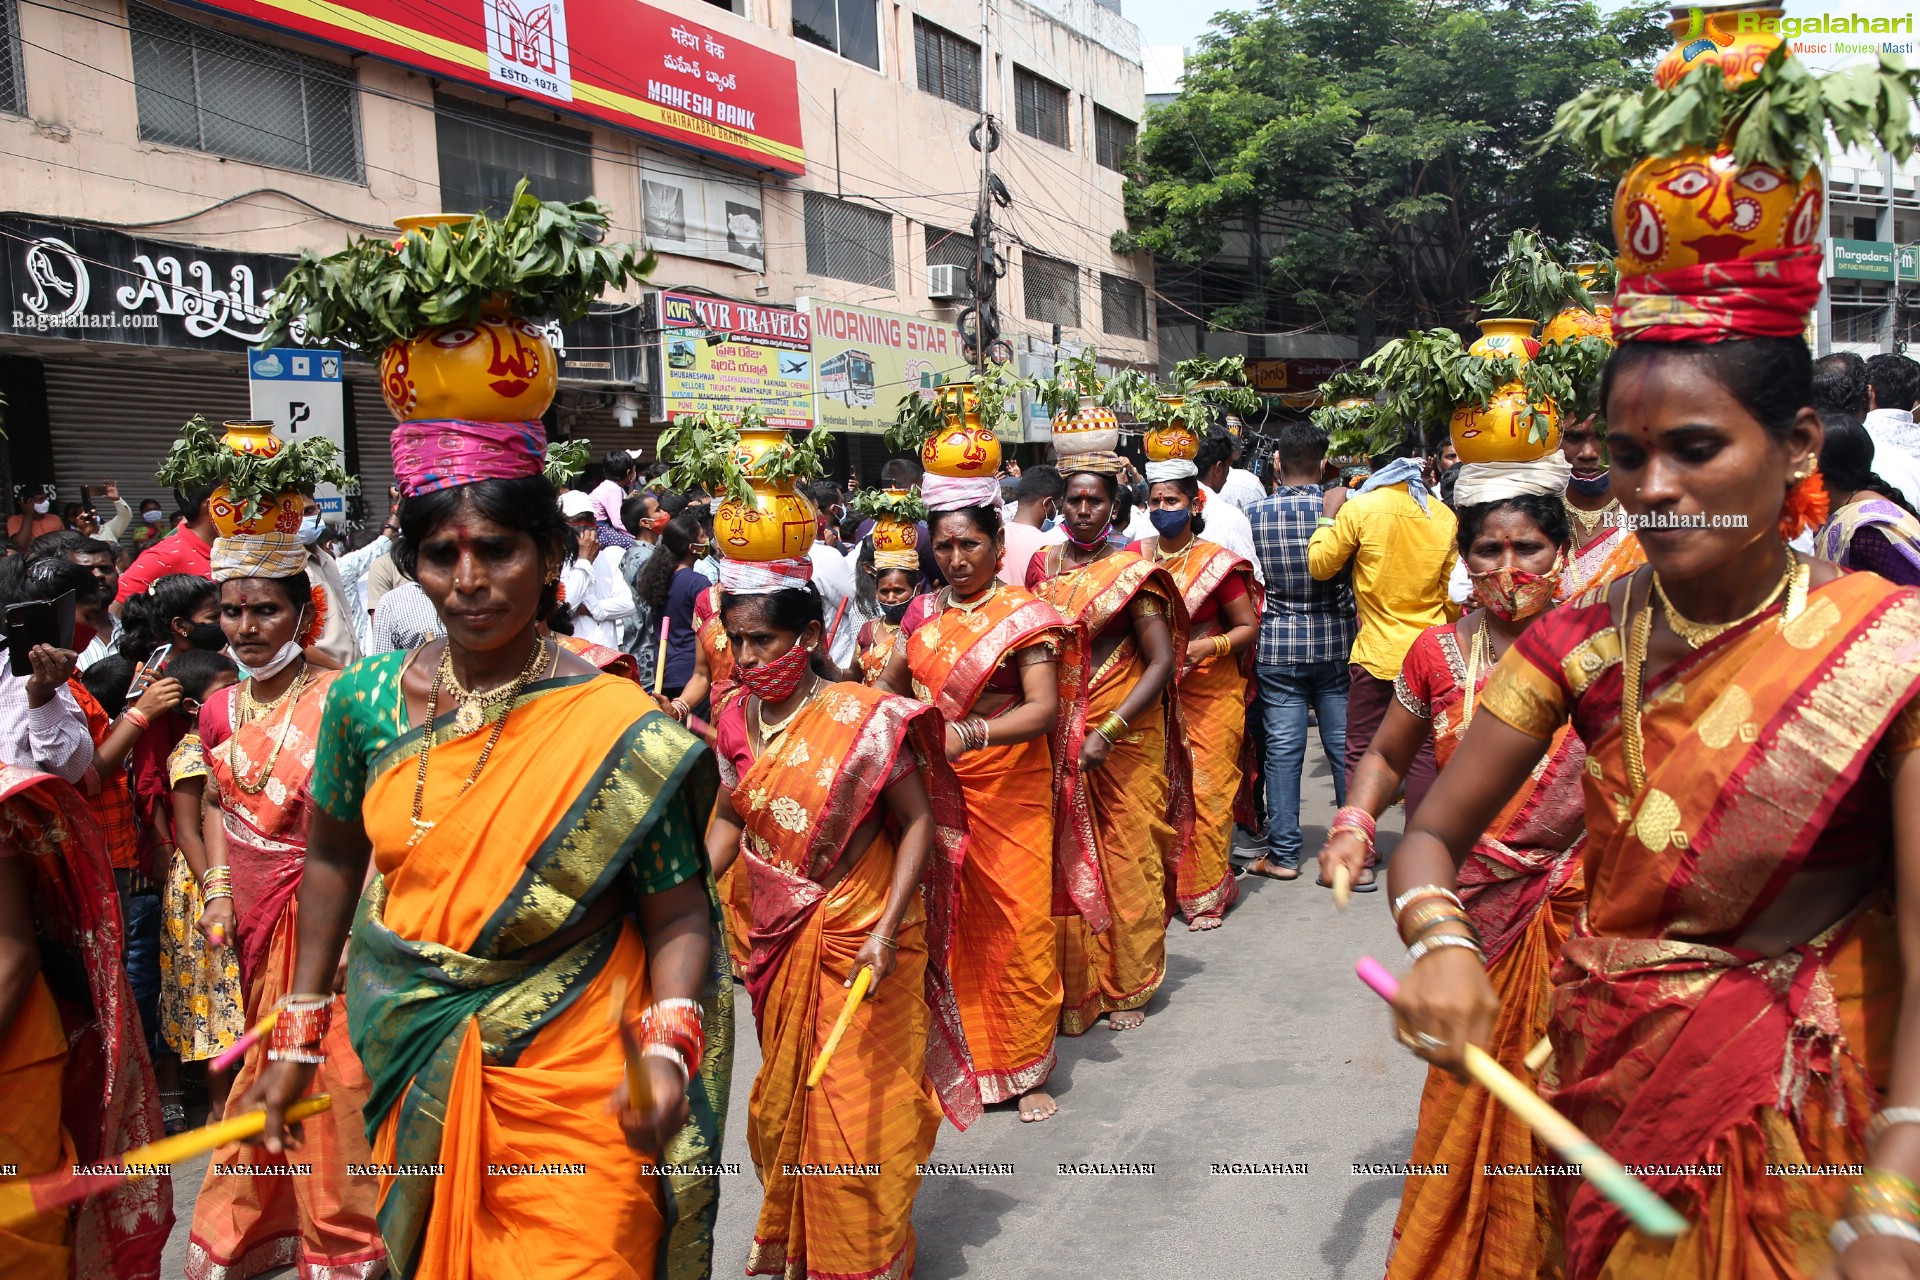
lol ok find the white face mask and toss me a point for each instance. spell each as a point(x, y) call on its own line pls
point(40, 507)
point(310, 530)
point(274, 666)
point(151, 517)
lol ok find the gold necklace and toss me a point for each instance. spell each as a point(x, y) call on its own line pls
point(474, 706)
point(535, 661)
point(769, 733)
point(1588, 521)
point(260, 712)
point(1161, 557)
point(978, 602)
point(1698, 634)
point(1479, 657)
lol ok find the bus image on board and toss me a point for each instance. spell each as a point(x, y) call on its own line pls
point(848, 375)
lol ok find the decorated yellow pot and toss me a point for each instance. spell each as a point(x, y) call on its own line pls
point(755, 444)
point(1700, 206)
point(497, 369)
point(1170, 440)
point(1572, 323)
point(1732, 39)
point(777, 525)
point(1500, 432)
point(1352, 402)
point(281, 515)
point(1091, 430)
point(961, 446)
point(1506, 336)
point(890, 534)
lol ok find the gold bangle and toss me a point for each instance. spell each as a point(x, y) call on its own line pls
point(1222, 646)
point(1111, 727)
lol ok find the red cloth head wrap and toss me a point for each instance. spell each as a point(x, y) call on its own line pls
point(1761, 295)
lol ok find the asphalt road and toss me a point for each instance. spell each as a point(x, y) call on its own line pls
point(1261, 1048)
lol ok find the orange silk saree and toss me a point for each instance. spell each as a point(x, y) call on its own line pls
point(1213, 704)
point(1522, 888)
point(839, 1164)
point(711, 635)
point(1140, 802)
point(1676, 1051)
point(492, 1146)
point(1020, 799)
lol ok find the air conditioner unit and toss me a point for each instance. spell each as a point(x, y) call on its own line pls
point(945, 282)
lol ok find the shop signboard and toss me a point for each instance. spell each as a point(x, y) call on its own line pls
point(301, 392)
point(716, 353)
point(864, 361)
point(1862, 259)
point(619, 62)
point(1301, 374)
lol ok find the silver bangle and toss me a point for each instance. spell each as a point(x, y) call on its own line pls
point(1887, 1119)
point(672, 1055)
point(1422, 891)
point(1880, 1224)
point(1431, 943)
point(1840, 1235)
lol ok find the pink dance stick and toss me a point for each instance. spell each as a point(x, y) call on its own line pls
point(238, 1049)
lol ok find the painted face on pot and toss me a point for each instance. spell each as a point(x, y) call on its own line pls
point(1699, 206)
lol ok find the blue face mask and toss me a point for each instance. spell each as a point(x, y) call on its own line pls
point(1169, 521)
point(1594, 488)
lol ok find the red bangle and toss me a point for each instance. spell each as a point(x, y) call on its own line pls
point(138, 716)
point(299, 1028)
point(676, 1024)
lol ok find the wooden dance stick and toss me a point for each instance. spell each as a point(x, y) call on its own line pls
point(238, 1049)
point(1537, 1056)
point(1652, 1215)
point(1342, 888)
point(638, 1098)
point(833, 630)
point(861, 981)
point(660, 664)
point(23, 1199)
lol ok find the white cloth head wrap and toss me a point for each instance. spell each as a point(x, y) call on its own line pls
point(1492, 481)
point(762, 577)
point(953, 493)
point(1171, 469)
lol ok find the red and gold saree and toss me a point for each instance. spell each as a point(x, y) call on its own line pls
point(321, 1222)
point(711, 635)
point(839, 1164)
point(1675, 1050)
point(1612, 552)
point(1113, 953)
point(74, 1074)
point(874, 648)
point(1522, 888)
point(1213, 703)
point(1020, 800)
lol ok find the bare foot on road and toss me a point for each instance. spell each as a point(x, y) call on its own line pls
point(1036, 1106)
point(1126, 1020)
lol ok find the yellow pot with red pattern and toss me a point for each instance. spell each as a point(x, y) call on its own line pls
point(960, 447)
point(1702, 206)
point(1169, 441)
point(499, 368)
point(1731, 39)
point(281, 515)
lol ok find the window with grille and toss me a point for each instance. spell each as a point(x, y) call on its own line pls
point(851, 28)
point(1053, 291)
point(1112, 139)
point(1123, 306)
point(949, 66)
point(949, 248)
point(209, 91)
point(484, 152)
point(13, 87)
point(1039, 108)
point(847, 241)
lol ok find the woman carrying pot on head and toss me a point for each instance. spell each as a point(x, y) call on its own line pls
point(1521, 885)
point(536, 851)
point(1131, 751)
point(839, 806)
point(886, 584)
point(990, 657)
point(260, 738)
point(1215, 683)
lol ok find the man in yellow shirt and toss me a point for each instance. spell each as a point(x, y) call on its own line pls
point(1399, 540)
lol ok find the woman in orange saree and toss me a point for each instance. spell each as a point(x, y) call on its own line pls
point(1215, 683)
point(839, 804)
point(1521, 887)
point(988, 656)
point(1731, 1002)
point(73, 1066)
point(1112, 943)
point(531, 825)
point(255, 1214)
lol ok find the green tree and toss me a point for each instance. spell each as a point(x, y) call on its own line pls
point(1383, 151)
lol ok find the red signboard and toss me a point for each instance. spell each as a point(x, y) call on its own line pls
point(616, 61)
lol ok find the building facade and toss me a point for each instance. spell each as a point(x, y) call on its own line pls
point(1872, 296)
point(168, 162)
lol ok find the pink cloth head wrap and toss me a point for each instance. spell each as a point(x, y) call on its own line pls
point(954, 493)
point(444, 453)
point(762, 577)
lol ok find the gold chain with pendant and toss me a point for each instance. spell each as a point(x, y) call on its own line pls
point(252, 711)
point(771, 733)
point(506, 693)
point(1588, 521)
point(1699, 634)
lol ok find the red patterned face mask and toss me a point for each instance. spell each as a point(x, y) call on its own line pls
point(775, 681)
point(1511, 594)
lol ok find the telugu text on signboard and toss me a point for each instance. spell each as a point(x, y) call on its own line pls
point(726, 355)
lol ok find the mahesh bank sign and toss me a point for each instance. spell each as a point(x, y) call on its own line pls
point(616, 61)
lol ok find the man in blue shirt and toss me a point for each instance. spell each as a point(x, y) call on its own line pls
point(1306, 633)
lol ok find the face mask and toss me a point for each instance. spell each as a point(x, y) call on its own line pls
point(894, 612)
point(775, 681)
point(206, 637)
point(1170, 521)
point(310, 530)
point(274, 666)
point(1099, 539)
point(1594, 488)
point(151, 517)
point(1512, 594)
point(40, 507)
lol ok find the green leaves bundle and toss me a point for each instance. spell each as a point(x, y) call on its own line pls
point(889, 504)
point(544, 257)
point(1534, 282)
point(699, 449)
point(200, 457)
point(566, 461)
point(917, 417)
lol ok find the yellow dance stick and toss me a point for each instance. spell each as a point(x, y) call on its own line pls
point(861, 981)
point(238, 1049)
point(23, 1199)
point(638, 1099)
point(660, 664)
point(1342, 888)
point(1652, 1215)
point(1537, 1056)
